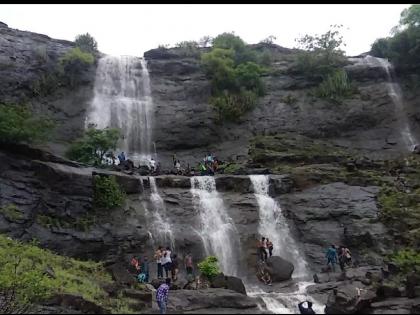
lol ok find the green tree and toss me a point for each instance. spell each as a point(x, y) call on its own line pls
point(322, 53)
point(209, 267)
point(94, 145)
point(107, 193)
point(219, 66)
point(86, 43)
point(19, 124)
point(411, 16)
point(236, 80)
point(74, 63)
point(403, 47)
point(248, 76)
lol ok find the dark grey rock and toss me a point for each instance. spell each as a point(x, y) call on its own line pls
point(279, 269)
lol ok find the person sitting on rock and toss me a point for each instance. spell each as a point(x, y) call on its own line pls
point(306, 309)
point(266, 278)
point(331, 257)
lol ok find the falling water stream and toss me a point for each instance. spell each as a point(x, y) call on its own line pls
point(394, 91)
point(218, 232)
point(161, 229)
point(272, 224)
point(123, 100)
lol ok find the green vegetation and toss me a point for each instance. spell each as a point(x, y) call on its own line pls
point(236, 82)
point(406, 259)
point(189, 48)
point(322, 60)
point(86, 43)
point(94, 145)
point(22, 268)
point(73, 64)
point(403, 48)
point(24, 275)
point(322, 54)
point(11, 212)
point(107, 193)
point(336, 86)
point(19, 124)
point(81, 223)
point(209, 267)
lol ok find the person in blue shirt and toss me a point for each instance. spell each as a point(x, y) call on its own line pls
point(121, 157)
point(332, 257)
point(145, 268)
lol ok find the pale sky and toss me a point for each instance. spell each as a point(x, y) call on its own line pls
point(133, 29)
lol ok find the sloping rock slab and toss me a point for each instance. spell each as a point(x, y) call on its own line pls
point(189, 300)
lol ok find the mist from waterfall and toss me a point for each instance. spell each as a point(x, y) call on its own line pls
point(218, 231)
point(123, 100)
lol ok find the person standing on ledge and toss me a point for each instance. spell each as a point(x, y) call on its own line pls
point(270, 247)
point(162, 295)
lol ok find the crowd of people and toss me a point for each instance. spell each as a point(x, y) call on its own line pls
point(166, 262)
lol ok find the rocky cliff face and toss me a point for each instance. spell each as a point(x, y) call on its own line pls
point(27, 61)
point(185, 120)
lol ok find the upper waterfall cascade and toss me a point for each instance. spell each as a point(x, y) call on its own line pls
point(123, 100)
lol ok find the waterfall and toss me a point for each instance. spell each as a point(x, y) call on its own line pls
point(161, 230)
point(217, 231)
point(122, 99)
point(274, 226)
point(394, 91)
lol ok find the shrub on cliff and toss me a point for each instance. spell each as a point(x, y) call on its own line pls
point(94, 145)
point(335, 86)
point(107, 193)
point(236, 82)
point(209, 267)
point(73, 64)
point(189, 48)
point(86, 43)
point(19, 124)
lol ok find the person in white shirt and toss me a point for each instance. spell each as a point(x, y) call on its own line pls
point(167, 261)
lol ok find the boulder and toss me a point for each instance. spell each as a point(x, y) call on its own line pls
point(386, 290)
point(228, 282)
point(140, 295)
point(346, 299)
point(279, 269)
point(121, 275)
point(76, 302)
